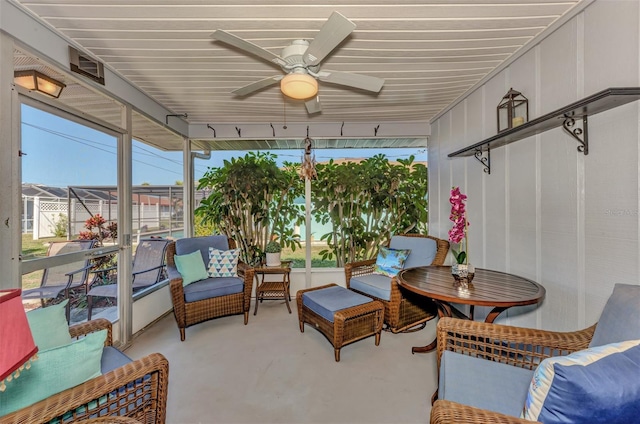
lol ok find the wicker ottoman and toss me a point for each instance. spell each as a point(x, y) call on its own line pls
point(340, 314)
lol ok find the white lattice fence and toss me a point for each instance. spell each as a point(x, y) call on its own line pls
point(47, 213)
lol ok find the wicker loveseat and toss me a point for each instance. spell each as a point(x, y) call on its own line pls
point(206, 299)
point(135, 389)
point(402, 310)
point(485, 370)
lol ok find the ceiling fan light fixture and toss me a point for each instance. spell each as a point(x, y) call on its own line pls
point(299, 86)
point(36, 81)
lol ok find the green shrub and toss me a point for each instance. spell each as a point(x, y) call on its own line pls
point(252, 200)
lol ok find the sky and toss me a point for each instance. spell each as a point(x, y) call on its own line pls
point(62, 153)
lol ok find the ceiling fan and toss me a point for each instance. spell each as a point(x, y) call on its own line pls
point(301, 63)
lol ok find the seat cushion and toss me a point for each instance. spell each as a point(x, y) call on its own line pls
point(112, 358)
point(376, 285)
point(326, 302)
point(483, 384)
point(598, 386)
point(620, 316)
point(191, 244)
point(213, 287)
point(423, 249)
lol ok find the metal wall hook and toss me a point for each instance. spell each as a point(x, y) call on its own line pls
point(238, 130)
point(375, 130)
point(182, 115)
point(341, 129)
point(273, 130)
point(212, 129)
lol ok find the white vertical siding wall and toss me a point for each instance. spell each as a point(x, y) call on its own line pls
point(547, 212)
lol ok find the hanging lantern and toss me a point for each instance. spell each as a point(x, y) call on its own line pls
point(513, 110)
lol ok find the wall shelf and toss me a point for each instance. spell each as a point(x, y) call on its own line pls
point(566, 117)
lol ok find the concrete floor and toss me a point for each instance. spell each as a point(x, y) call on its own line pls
point(270, 372)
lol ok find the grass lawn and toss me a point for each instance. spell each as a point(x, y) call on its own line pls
point(299, 255)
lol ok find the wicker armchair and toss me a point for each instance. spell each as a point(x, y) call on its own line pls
point(190, 313)
point(519, 347)
point(136, 390)
point(404, 310)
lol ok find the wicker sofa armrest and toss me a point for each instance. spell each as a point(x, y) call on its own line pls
point(82, 329)
point(246, 272)
point(447, 412)
point(520, 347)
point(137, 389)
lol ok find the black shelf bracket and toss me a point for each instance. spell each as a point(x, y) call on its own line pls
point(567, 117)
point(484, 160)
point(580, 134)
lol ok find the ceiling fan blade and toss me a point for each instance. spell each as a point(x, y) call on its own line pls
point(313, 105)
point(332, 33)
point(363, 82)
point(258, 85)
point(247, 46)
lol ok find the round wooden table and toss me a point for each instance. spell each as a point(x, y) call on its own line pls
point(499, 290)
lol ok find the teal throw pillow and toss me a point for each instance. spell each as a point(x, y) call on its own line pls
point(599, 385)
point(223, 263)
point(55, 370)
point(390, 261)
point(49, 326)
point(191, 267)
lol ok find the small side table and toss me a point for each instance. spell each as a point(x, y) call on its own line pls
point(273, 290)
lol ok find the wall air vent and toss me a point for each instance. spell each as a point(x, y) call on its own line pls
point(84, 65)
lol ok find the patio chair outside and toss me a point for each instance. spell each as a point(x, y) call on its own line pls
point(148, 269)
point(61, 279)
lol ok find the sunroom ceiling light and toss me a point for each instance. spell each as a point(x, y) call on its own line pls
point(299, 86)
point(36, 81)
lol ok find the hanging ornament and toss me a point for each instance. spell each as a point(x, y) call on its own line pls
point(308, 165)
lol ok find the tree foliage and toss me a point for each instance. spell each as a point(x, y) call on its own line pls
point(367, 202)
point(252, 201)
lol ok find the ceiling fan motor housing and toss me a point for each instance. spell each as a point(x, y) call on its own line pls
point(292, 54)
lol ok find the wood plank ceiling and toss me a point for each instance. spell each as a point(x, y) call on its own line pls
point(428, 52)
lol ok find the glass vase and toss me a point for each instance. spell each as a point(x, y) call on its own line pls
point(463, 275)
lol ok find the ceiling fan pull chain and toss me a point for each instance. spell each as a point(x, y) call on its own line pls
point(284, 111)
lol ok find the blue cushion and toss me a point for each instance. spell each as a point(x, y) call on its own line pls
point(596, 385)
point(213, 287)
point(620, 317)
point(373, 284)
point(191, 244)
point(483, 384)
point(326, 302)
point(423, 249)
point(390, 261)
point(112, 358)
